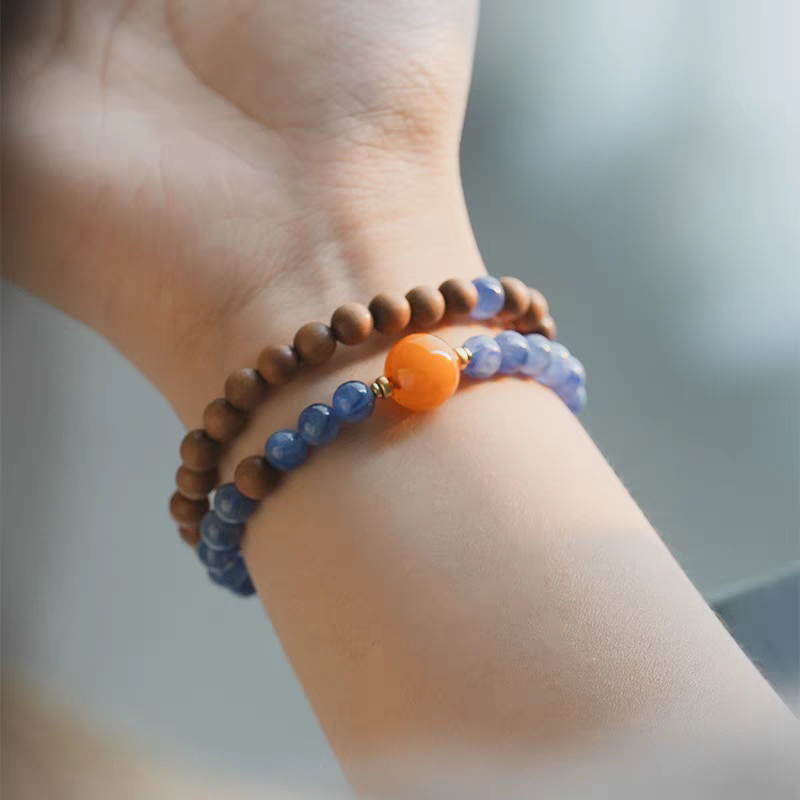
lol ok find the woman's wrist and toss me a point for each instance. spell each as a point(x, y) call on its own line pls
point(354, 244)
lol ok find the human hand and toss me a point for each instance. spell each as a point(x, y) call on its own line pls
point(187, 176)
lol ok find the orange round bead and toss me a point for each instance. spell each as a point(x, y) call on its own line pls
point(423, 370)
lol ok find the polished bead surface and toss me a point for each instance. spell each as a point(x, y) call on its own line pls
point(538, 356)
point(427, 306)
point(186, 511)
point(199, 451)
point(576, 374)
point(218, 534)
point(491, 297)
point(390, 313)
point(547, 327)
point(256, 478)
point(514, 349)
point(486, 357)
point(537, 310)
point(286, 450)
point(195, 485)
point(558, 367)
point(232, 575)
point(352, 323)
point(245, 588)
point(215, 558)
point(318, 425)
point(245, 389)
point(423, 370)
point(190, 534)
point(460, 296)
point(517, 298)
point(315, 343)
point(574, 397)
point(231, 505)
point(353, 401)
point(278, 363)
point(222, 421)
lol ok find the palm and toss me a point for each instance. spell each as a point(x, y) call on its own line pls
point(175, 149)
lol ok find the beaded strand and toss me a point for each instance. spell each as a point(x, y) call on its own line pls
point(507, 299)
point(422, 372)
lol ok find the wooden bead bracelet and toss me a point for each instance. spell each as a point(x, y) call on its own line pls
point(422, 371)
point(508, 300)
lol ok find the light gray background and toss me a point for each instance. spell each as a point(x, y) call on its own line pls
point(638, 161)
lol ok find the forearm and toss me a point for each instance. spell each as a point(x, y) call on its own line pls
point(195, 184)
point(477, 575)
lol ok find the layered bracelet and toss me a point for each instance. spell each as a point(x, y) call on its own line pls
point(421, 372)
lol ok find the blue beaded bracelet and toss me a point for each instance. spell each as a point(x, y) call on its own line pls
point(422, 372)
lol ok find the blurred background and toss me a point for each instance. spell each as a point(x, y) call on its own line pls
point(636, 160)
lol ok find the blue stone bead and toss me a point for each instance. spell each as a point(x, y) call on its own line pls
point(216, 560)
point(232, 574)
point(245, 589)
point(574, 397)
point(538, 357)
point(218, 534)
point(353, 401)
point(514, 348)
point(285, 449)
point(317, 425)
point(491, 297)
point(486, 357)
point(576, 374)
point(554, 373)
point(231, 505)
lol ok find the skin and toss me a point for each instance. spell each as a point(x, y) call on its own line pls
point(194, 180)
point(344, 186)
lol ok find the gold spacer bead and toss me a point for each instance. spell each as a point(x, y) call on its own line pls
point(381, 388)
point(464, 356)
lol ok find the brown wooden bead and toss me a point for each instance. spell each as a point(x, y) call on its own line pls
point(518, 298)
point(390, 313)
point(427, 306)
point(187, 512)
point(256, 478)
point(277, 363)
point(195, 485)
point(190, 534)
point(539, 303)
point(547, 327)
point(314, 343)
point(245, 389)
point(537, 311)
point(352, 323)
point(460, 296)
point(222, 421)
point(199, 451)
